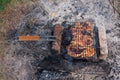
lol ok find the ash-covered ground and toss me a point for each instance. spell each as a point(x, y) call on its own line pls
point(34, 61)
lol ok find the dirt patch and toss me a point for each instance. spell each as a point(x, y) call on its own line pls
point(9, 19)
point(33, 60)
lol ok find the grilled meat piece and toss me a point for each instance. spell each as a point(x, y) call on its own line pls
point(82, 40)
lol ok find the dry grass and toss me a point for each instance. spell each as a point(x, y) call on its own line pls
point(9, 19)
point(11, 16)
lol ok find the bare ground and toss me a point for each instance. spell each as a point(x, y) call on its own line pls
point(33, 60)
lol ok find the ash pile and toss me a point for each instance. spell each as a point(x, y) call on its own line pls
point(34, 60)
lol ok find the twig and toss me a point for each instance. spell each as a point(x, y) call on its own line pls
point(112, 4)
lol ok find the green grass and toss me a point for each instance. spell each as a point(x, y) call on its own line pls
point(3, 4)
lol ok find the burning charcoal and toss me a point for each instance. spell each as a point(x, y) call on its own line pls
point(66, 37)
point(108, 31)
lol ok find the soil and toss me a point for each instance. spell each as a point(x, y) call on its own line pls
point(33, 60)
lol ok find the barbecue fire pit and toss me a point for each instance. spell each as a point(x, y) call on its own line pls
point(81, 40)
point(77, 40)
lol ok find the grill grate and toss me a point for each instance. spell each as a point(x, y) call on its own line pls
point(83, 43)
